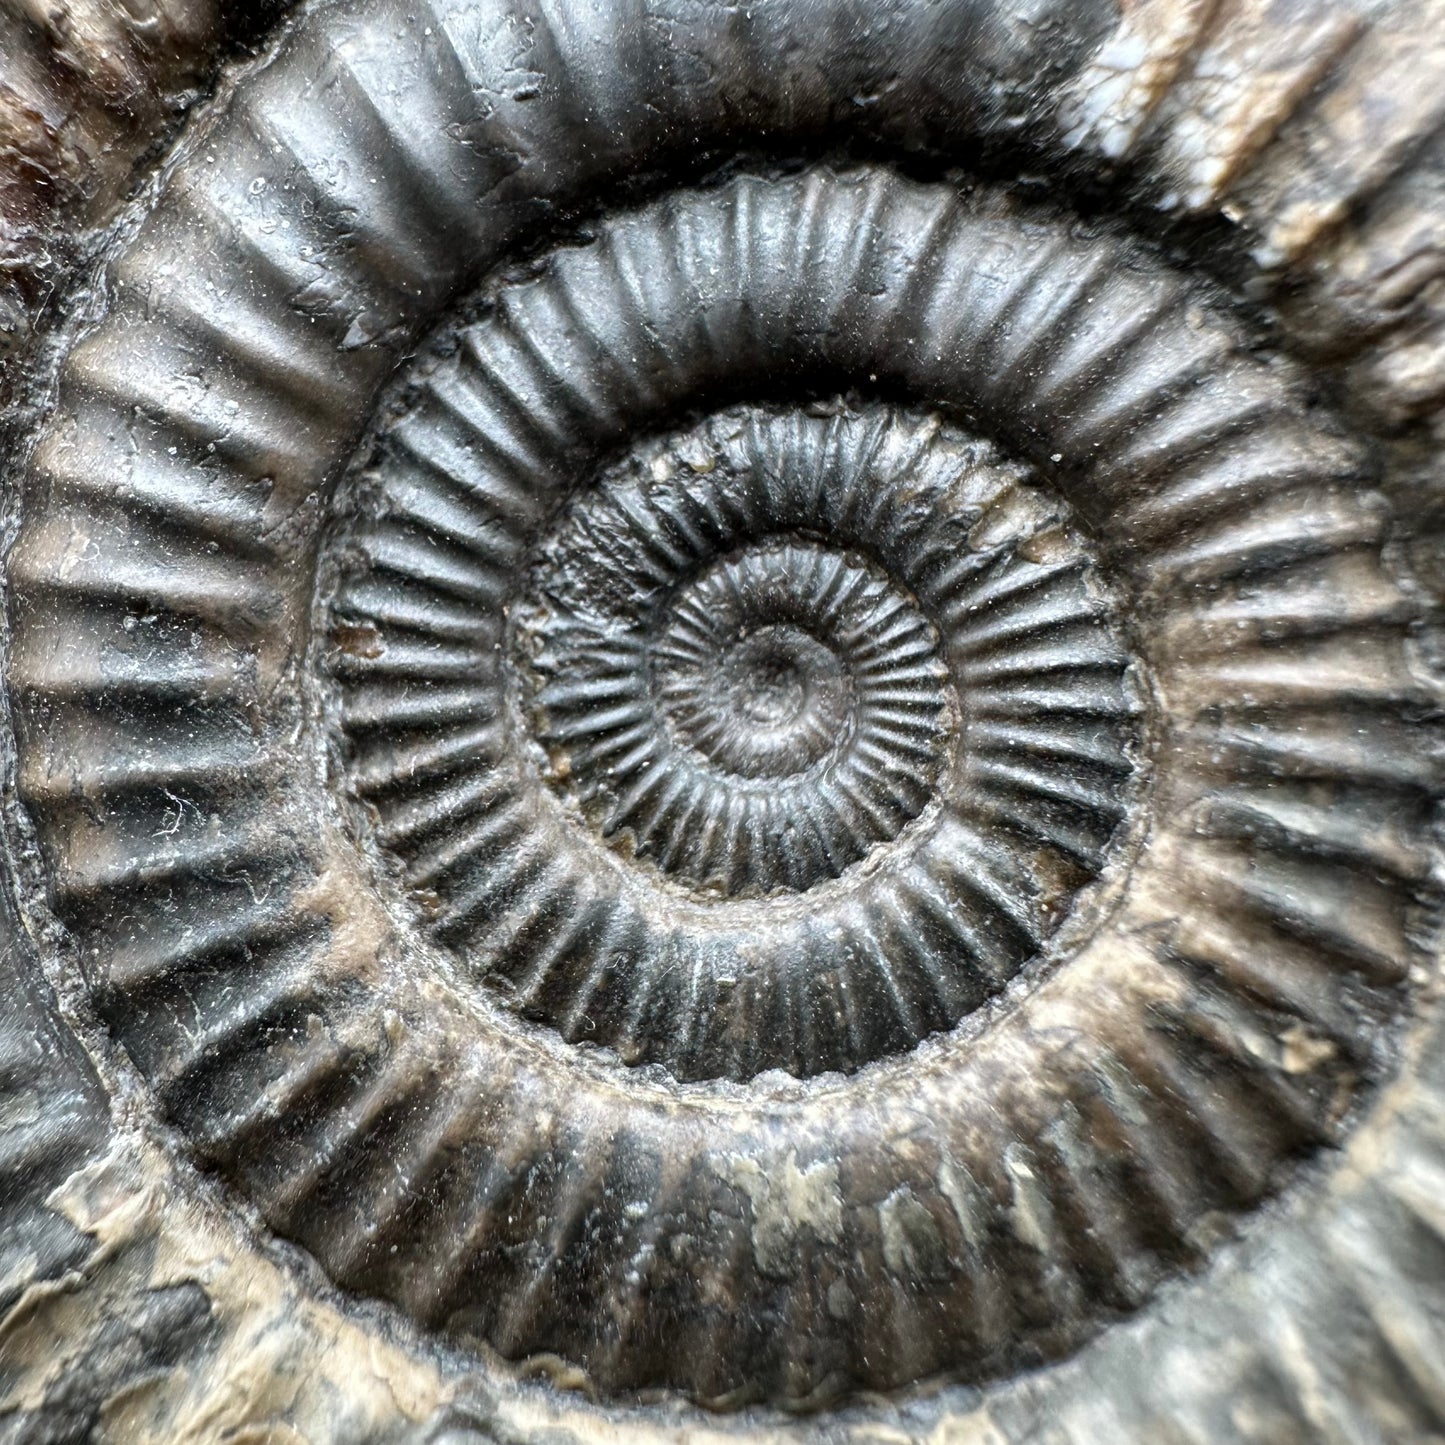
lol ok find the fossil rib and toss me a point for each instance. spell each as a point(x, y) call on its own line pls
point(691, 713)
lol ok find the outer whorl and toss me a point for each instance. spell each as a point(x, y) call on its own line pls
point(774, 748)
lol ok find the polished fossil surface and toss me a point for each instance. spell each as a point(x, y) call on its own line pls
point(725, 720)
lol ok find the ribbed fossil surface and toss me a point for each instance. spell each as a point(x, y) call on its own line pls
point(774, 651)
point(745, 698)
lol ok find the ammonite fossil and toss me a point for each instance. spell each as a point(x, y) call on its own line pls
point(726, 724)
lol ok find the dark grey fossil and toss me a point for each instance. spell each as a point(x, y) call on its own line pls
point(738, 703)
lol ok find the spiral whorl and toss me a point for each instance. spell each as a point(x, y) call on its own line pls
point(786, 713)
point(749, 656)
point(776, 780)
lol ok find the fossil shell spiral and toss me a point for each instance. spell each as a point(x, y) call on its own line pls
point(751, 656)
point(700, 709)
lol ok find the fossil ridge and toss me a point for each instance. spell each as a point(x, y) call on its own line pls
point(740, 703)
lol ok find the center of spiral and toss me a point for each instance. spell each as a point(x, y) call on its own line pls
point(755, 666)
point(775, 677)
point(785, 706)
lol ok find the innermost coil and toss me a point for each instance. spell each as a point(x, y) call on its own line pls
point(755, 723)
point(770, 702)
